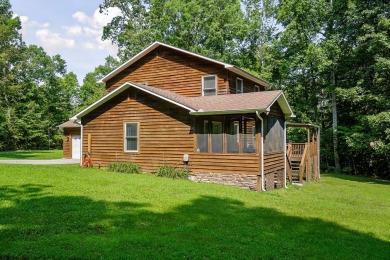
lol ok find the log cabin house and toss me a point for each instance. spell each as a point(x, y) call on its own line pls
point(170, 106)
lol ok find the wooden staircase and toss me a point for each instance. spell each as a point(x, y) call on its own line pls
point(302, 162)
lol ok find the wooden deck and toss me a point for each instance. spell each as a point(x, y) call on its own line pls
point(303, 159)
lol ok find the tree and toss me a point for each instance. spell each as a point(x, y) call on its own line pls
point(214, 28)
point(92, 89)
point(36, 94)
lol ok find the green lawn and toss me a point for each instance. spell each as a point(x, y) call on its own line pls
point(31, 155)
point(68, 212)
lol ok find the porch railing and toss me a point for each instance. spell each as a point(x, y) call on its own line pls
point(302, 161)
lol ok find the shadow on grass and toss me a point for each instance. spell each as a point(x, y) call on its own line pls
point(362, 179)
point(23, 154)
point(38, 225)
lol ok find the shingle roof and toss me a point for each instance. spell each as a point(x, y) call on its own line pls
point(69, 124)
point(220, 104)
point(254, 101)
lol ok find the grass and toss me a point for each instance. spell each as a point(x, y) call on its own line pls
point(68, 212)
point(31, 155)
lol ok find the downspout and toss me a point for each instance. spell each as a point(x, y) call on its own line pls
point(285, 153)
point(318, 152)
point(262, 150)
point(81, 146)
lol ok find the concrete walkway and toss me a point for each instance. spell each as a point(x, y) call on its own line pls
point(42, 162)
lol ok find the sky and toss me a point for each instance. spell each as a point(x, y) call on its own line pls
point(71, 28)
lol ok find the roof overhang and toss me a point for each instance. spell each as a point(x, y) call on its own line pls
point(280, 99)
point(304, 125)
point(119, 90)
point(227, 112)
point(284, 105)
point(247, 75)
point(154, 45)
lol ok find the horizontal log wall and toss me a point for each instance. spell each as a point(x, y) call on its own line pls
point(249, 86)
point(171, 70)
point(166, 132)
point(273, 162)
point(179, 72)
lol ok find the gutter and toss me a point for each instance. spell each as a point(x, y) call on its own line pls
point(227, 112)
point(262, 150)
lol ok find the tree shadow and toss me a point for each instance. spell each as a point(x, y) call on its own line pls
point(366, 180)
point(34, 224)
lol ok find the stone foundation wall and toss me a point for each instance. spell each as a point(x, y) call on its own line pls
point(244, 181)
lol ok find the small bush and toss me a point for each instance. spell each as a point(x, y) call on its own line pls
point(171, 172)
point(124, 167)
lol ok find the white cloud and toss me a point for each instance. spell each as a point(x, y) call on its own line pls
point(77, 40)
point(52, 41)
point(92, 29)
point(74, 30)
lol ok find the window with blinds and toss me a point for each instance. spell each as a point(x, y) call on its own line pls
point(131, 137)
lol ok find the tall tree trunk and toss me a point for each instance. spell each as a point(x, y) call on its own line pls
point(334, 126)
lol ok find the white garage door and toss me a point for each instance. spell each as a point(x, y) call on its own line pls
point(76, 146)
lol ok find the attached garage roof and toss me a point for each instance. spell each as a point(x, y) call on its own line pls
point(69, 124)
point(220, 104)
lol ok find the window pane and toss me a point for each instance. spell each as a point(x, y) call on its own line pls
point(202, 138)
point(131, 129)
point(132, 144)
point(216, 137)
point(209, 92)
point(239, 86)
point(131, 138)
point(248, 135)
point(209, 86)
point(209, 82)
point(232, 135)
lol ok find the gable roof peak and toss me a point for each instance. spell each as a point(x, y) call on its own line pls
point(156, 44)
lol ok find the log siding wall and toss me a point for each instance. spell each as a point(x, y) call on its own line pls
point(180, 73)
point(166, 132)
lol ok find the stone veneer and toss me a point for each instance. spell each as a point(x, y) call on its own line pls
point(244, 181)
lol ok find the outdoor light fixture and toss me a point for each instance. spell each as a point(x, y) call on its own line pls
point(185, 158)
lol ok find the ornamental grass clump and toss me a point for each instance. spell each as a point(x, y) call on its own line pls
point(124, 167)
point(170, 171)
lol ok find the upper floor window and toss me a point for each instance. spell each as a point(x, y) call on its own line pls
point(209, 85)
point(257, 88)
point(239, 86)
point(131, 137)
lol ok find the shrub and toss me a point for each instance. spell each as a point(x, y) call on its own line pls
point(171, 172)
point(124, 167)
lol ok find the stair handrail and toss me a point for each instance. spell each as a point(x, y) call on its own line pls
point(302, 164)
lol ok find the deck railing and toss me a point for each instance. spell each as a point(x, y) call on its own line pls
point(304, 156)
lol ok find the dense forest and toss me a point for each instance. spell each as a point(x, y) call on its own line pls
point(330, 57)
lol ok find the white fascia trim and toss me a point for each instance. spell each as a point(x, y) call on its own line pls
point(281, 95)
point(247, 75)
point(149, 49)
point(101, 101)
point(119, 90)
point(227, 112)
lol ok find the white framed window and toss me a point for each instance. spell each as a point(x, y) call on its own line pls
point(239, 86)
point(131, 134)
point(209, 85)
point(257, 88)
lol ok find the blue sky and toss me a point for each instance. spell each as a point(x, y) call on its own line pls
point(71, 28)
